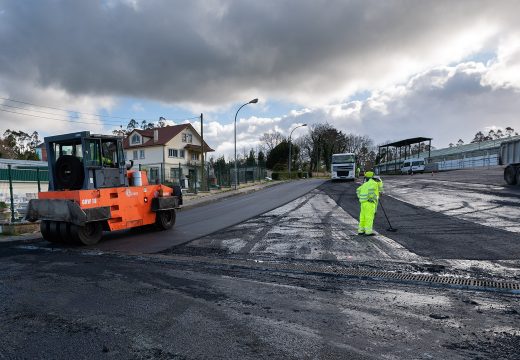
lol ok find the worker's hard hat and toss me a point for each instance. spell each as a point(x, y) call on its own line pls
point(369, 174)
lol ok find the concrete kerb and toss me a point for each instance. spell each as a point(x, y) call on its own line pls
point(191, 203)
point(25, 238)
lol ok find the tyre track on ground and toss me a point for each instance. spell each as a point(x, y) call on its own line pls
point(260, 236)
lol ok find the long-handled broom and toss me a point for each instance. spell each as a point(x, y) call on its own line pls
point(390, 229)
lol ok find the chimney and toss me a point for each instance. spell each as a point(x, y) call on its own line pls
point(155, 135)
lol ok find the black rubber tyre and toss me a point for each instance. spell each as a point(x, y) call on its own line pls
point(73, 233)
point(165, 219)
point(54, 232)
point(90, 234)
point(510, 175)
point(69, 173)
point(46, 231)
point(67, 236)
point(63, 228)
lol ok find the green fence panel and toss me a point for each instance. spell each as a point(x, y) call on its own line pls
point(25, 175)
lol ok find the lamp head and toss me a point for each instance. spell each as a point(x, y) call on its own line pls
point(254, 101)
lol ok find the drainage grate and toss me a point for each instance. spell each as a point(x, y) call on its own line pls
point(320, 269)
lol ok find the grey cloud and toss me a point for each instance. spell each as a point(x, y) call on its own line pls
point(457, 109)
point(212, 52)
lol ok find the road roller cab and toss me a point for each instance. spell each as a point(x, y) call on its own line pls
point(91, 189)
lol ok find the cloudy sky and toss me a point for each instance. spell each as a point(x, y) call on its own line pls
point(386, 69)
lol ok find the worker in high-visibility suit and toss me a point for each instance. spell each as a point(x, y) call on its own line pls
point(379, 182)
point(368, 195)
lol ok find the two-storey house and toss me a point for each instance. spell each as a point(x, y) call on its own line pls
point(170, 153)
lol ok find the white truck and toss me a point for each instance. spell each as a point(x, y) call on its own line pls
point(510, 156)
point(343, 166)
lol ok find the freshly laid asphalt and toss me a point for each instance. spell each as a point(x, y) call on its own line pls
point(206, 219)
point(429, 233)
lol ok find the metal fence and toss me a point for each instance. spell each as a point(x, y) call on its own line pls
point(18, 185)
point(189, 176)
point(478, 161)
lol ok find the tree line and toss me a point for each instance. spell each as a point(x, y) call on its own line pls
point(491, 135)
point(313, 151)
point(134, 124)
point(19, 145)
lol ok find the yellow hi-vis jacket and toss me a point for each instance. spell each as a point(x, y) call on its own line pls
point(369, 191)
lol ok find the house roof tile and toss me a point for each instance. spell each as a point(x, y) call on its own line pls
point(165, 134)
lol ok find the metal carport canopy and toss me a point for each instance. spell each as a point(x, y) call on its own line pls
point(406, 142)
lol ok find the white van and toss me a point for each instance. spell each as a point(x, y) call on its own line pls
point(412, 166)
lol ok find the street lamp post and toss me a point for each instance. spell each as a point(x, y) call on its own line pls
point(254, 101)
point(290, 148)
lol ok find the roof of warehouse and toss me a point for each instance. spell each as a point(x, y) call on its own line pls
point(483, 145)
point(15, 163)
point(405, 142)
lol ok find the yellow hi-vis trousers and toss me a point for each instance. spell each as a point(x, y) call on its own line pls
point(366, 217)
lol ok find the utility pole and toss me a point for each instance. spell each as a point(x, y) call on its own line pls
point(202, 182)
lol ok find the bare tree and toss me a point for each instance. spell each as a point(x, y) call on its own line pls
point(271, 139)
point(354, 143)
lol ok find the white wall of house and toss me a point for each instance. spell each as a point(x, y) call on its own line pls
point(152, 155)
point(177, 144)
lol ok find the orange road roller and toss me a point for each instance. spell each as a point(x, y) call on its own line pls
point(93, 189)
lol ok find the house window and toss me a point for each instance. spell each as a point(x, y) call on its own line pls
point(194, 156)
point(173, 153)
point(135, 155)
point(187, 138)
point(181, 154)
point(174, 174)
point(154, 174)
point(136, 139)
point(141, 154)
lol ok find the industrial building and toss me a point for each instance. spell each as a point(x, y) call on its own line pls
point(484, 153)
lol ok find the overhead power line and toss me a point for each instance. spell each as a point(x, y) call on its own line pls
point(100, 116)
point(49, 113)
point(48, 118)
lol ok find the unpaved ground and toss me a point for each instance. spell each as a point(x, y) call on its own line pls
point(221, 296)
